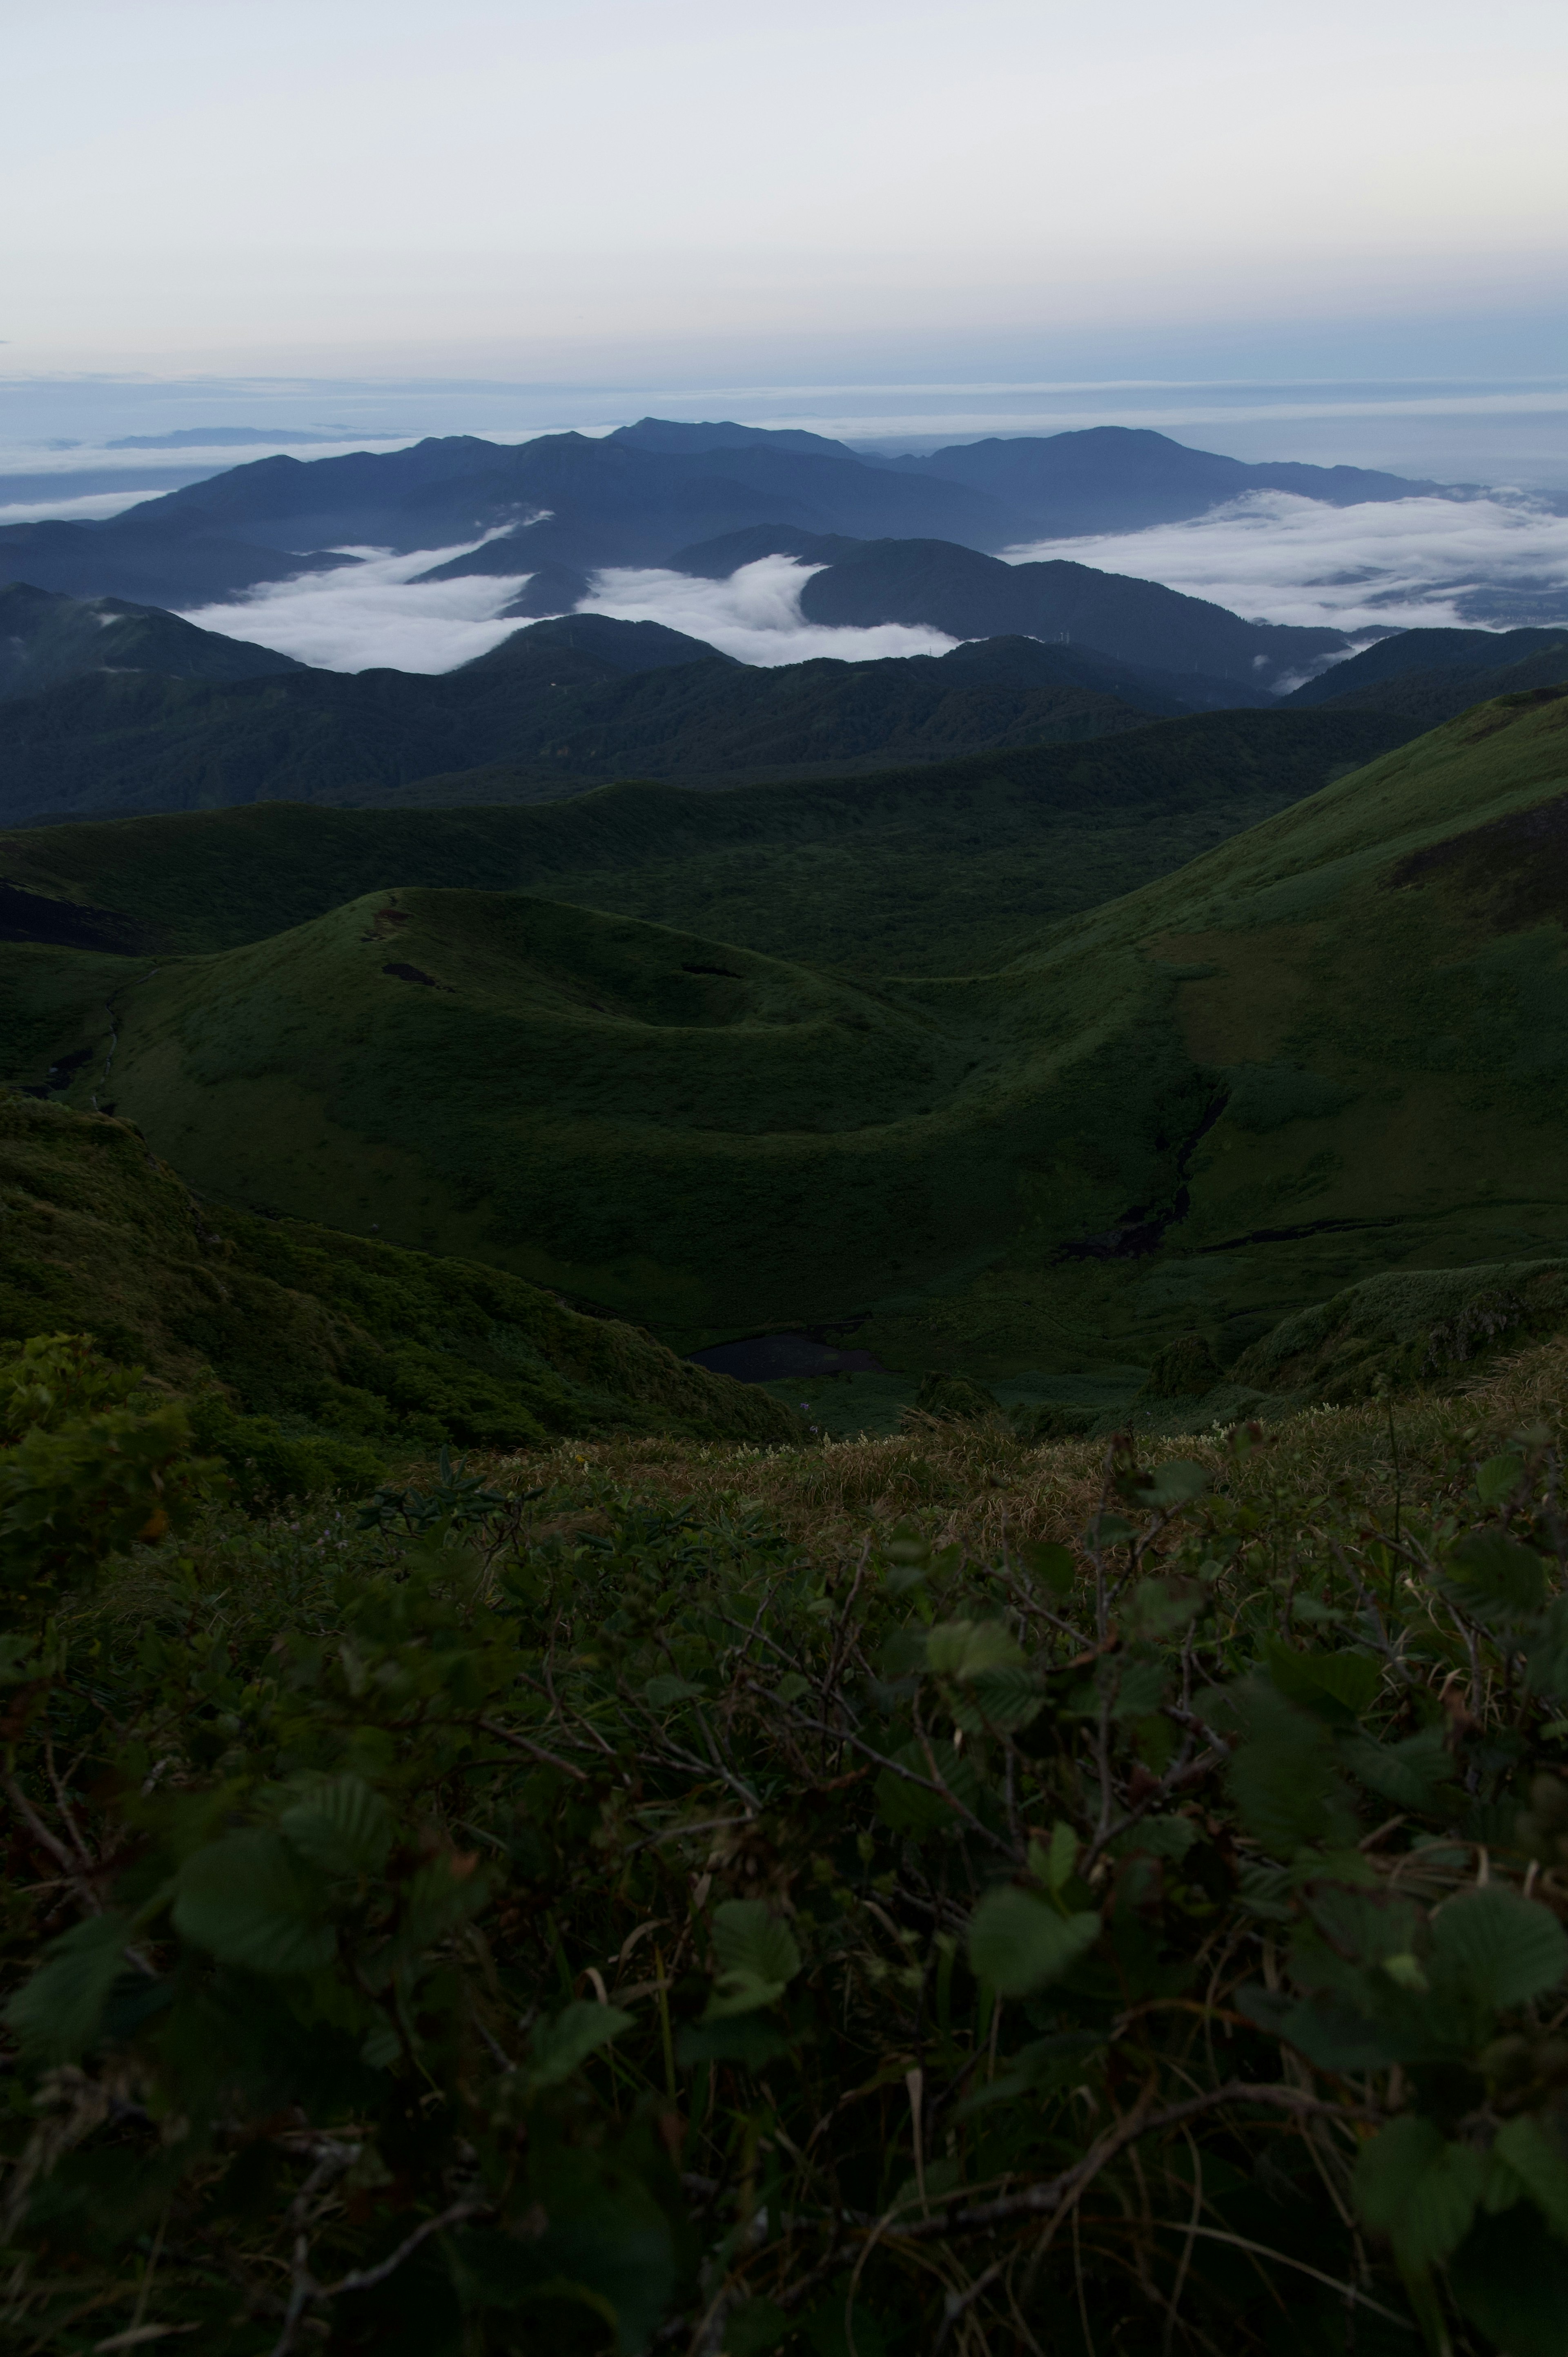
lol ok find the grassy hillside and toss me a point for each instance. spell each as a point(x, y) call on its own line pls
point(926, 870)
point(1327, 1050)
point(316, 1354)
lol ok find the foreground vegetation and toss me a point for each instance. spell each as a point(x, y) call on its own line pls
point(922, 1894)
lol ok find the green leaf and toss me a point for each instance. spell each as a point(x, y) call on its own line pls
point(1499, 1573)
point(1019, 1944)
point(1511, 2277)
point(341, 1826)
point(55, 2014)
point(1054, 1867)
point(1538, 2160)
point(1499, 1947)
point(1174, 1484)
point(1055, 1566)
point(1419, 2189)
point(963, 1649)
point(1003, 1700)
point(756, 2326)
point(1285, 1778)
point(792, 1685)
point(1410, 1774)
point(1337, 1687)
point(663, 1692)
point(911, 1808)
point(246, 1900)
point(757, 1958)
point(562, 2045)
point(1497, 1479)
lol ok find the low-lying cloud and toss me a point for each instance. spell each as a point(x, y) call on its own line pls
point(1497, 561)
point(374, 615)
point(377, 614)
point(755, 615)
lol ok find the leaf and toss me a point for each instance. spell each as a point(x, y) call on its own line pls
point(1511, 2277)
point(912, 1808)
point(1285, 1778)
point(342, 1826)
point(1054, 1867)
point(1410, 1774)
point(757, 1958)
point(1337, 1687)
point(792, 1685)
point(1499, 1947)
point(1497, 1479)
point(1419, 2189)
point(1018, 1944)
point(561, 2046)
point(56, 2013)
point(1004, 1700)
point(1328, 2033)
point(1499, 1573)
point(245, 1900)
point(1534, 2157)
point(663, 1692)
point(1174, 1484)
point(962, 1648)
point(1054, 1566)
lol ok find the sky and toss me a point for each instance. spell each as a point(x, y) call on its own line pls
point(576, 192)
point(1335, 235)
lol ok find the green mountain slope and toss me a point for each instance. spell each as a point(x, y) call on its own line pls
point(47, 639)
point(921, 870)
point(352, 1350)
point(1428, 676)
point(1324, 1049)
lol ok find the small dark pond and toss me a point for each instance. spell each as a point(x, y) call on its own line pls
point(765, 1358)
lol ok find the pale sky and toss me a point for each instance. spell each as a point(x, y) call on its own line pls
point(558, 186)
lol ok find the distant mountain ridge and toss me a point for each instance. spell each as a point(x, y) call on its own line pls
point(559, 706)
point(634, 497)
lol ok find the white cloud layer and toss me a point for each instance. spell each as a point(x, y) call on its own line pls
point(1400, 563)
point(373, 615)
point(755, 615)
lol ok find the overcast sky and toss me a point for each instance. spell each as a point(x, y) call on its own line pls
point(555, 188)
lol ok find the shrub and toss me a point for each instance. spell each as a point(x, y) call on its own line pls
point(570, 1923)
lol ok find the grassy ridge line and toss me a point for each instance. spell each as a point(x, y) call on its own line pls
point(321, 1355)
point(207, 880)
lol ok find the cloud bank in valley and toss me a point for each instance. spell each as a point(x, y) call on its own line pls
point(377, 614)
point(1274, 557)
point(755, 615)
point(374, 615)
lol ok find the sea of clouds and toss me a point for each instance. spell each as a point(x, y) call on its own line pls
point(1493, 562)
point(377, 614)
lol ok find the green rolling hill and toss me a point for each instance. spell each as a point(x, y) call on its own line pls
point(1329, 1048)
point(943, 866)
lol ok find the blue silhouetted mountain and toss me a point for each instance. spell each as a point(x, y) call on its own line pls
point(577, 504)
point(1123, 478)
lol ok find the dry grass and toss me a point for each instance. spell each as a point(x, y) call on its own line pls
point(978, 1485)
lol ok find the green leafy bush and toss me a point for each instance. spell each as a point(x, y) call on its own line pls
point(523, 1925)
